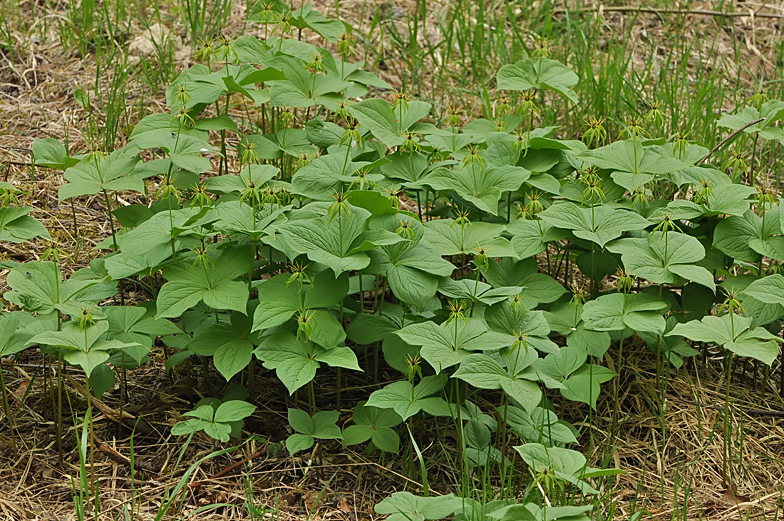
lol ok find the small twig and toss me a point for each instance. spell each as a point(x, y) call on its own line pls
point(16, 163)
point(120, 458)
point(541, 490)
point(17, 149)
point(720, 408)
point(127, 419)
point(659, 12)
point(728, 138)
point(197, 484)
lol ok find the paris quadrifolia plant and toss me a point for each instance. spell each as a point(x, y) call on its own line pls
point(450, 292)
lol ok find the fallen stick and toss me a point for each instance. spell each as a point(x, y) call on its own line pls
point(128, 419)
point(659, 12)
point(721, 408)
point(728, 138)
point(197, 484)
point(121, 458)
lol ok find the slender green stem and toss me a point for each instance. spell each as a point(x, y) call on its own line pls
point(338, 394)
point(616, 388)
point(727, 427)
point(460, 441)
point(312, 398)
point(111, 218)
point(91, 442)
point(73, 212)
point(58, 421)
point(659, 363)
point(474, 297)
point(7, 409)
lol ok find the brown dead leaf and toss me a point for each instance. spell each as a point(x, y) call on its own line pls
point(292, 497)
point(731, 496)
point(311, 498)
point(343, 505)
point(20, 392)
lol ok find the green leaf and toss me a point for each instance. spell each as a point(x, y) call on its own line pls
point(366, 328)
point(599, 224)
point(184, 151)
point(218, 431)
point(414, 287)
point(371, 423)
point(221, 122)
point(102, 379)
point(12, 338)
point(404, 506)
point(320, 426)
point(160, 124)
point(529, 328)
point(233, 410)
point(476, 291)
point(566, 319)
point(412, 266)
point(252, 176)
point(37, 286)
point(324, 427)
point(299, 442)
point(238, 218)
point(540, 426)
point(732, 332)
point(230, 348)
point(730, 199)
point(446, 345)
point(212, 282)
point(479, 185)
point(294, 365)
point(132, 324)
point(483, 372)
point(769, 290)
point(664, 258)
point(329, 241)
point(770, 112)
point(17, 227)
point(757, 343)
point(536, 287)
point(51, 153)
point(734, 234)
point(409, 167)
point(514, 512)
point(632, 165)
point(388, 124)
point(162, 228)
point(573, 190)
point(301, 421)
point(281, 300)
point(324, 177)
point(83, 347)
point(584, 385)
point(542, 73)
point(618, 311)
point(530, 238)
point(295, 361)
point(559, 366)
point(565, 464)
point(450, 238)
point(307, 16)
point(95, 174)
point(407, 400)
point(301, 88)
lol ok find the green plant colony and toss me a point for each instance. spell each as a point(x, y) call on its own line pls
point(313, 255)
